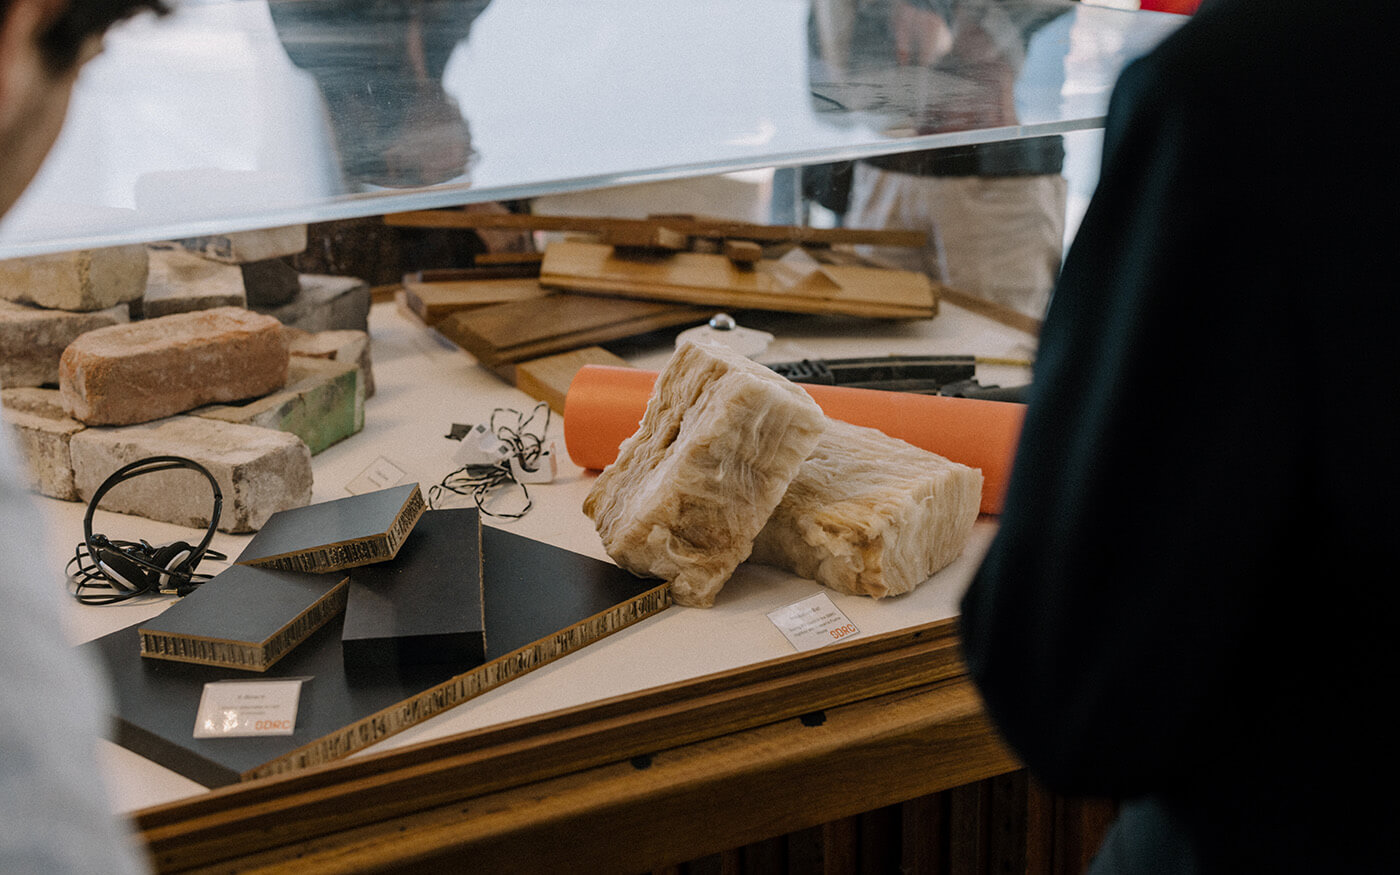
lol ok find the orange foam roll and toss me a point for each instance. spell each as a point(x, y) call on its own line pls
point(605, 404)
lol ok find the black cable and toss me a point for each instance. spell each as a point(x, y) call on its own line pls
point(485, 483)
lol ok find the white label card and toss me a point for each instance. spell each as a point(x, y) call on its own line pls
point(230, 709)
point(381, 474)
point(813, 622)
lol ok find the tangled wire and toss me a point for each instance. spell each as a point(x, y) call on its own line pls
point(491, 485)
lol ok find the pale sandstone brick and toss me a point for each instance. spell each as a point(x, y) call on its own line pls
point(326, 303)
point(159, 367)
point(182, 282)
point(341, 345)
point(81, 281)
point(42, 433)
point(322, 403)
point(259, 471)
point(244, 247)
point(32, 339)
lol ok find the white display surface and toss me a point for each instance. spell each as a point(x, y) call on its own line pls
point(424, 385)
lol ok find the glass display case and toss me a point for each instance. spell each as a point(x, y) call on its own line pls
point(231, 115)
point(243, 114)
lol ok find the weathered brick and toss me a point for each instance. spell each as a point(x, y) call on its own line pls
point(243, 247)
point(270, 283)
point(82, 281)
point(32, 339)
point(259, 471)
point(326, 303)
point(149, 370)
point(322, 403)
point(342, 345)
point(182, 282)
point(42, 432)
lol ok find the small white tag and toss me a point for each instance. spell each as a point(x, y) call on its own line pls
point(545, 470)
point(813, 622)
point(229, 709)
point(381, 474)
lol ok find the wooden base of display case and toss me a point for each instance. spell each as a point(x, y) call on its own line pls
point(666, 778)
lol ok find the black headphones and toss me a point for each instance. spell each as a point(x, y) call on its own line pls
point(105, 571)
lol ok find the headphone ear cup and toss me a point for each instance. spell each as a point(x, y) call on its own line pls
point(123, 572)
point(174, 558)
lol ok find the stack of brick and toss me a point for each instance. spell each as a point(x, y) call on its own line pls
point(310, 302)
point(48, 300)
point(200, 375)
point(179, 385)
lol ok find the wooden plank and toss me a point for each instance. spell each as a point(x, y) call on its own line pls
point(434, 300)
point(267, 813)
point(685, 225)
point(522, 330)
point(727, 792)
point(547, 379)
point(715, 281)
point(743, 252)
point(646, 237)
point(522, 259)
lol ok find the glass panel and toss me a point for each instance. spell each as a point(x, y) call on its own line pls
point(249, 113)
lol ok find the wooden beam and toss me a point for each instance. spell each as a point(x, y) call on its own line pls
point(688, 226)
point(715, 281)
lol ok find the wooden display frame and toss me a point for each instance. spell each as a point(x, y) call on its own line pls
point(841, 730)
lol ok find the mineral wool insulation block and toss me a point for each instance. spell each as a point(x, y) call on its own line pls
point(182, 282)
point(325, 303)
point(259, 471)
point(83, 281)
point(42, 432)
point(322, 403)
point(871, 515)
point(720, 440)
point(159, 367)
point(32, 339)
point(245, 247)
point(340, 345)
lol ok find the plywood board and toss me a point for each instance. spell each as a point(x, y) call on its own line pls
point(433, 299)
point(547, 379)
point(793, 284)
point(521, 330)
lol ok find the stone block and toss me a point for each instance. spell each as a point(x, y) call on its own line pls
point(42, 433)
point(32, 339)
point(270, 283)
point(341, 345)
point(322, 403)
point(182, 282)
point(81, 281)
point(325, 303)
point(244, 247)
point(259, 471)
point(156, 368)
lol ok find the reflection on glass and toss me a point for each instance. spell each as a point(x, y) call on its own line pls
point(378, 64)
point(995, 212)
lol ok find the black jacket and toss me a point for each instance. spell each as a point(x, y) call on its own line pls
point(1190, 603)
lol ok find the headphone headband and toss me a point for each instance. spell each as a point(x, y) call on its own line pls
point(128, 569)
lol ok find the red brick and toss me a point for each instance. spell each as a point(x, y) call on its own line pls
point(159, 367)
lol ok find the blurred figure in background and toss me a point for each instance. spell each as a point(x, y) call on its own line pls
point(994, 212)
